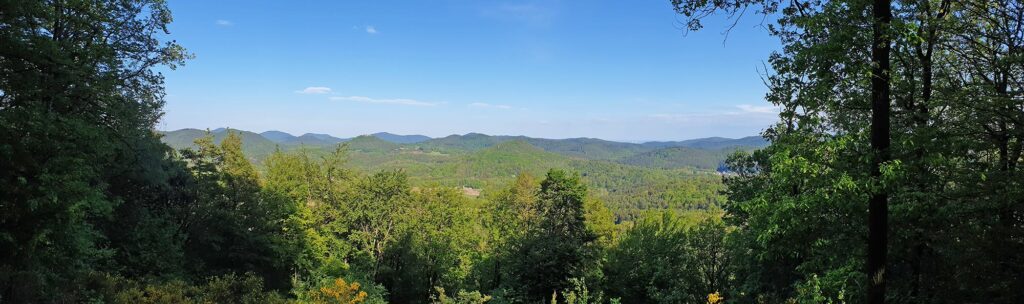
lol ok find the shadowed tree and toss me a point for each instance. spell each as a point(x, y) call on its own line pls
point(78, 101)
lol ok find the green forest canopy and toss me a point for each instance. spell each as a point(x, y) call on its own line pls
point(94, 207)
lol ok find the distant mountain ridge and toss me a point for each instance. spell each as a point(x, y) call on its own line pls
point(278, 136)
point(702, 153)
point(401, 139)
point(712, 143)
point(255, 146)
point(474, 140)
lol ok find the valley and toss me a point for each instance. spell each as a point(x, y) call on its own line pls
point(628, 177)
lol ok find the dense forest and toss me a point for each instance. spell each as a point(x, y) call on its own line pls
point(629, 178)
point(892, 175)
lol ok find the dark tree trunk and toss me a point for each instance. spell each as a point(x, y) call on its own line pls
point(878, 212)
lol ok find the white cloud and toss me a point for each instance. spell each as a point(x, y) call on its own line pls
point(758, 109)
point(371, 29)
point(487, 105)
point(746, 113)
point(223, 22)
point(395, 101)
point(314, 90)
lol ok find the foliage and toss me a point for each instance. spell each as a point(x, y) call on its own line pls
point(94, 208)
point(560, 246)
point(340, 292)
point(664, 258)
point(628, 177)
point(799, 205)
point(76, 110)
point(224, 289)
point(235, 226)
point(462, 297)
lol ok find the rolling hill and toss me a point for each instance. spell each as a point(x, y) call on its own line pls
point(678, 157)
point(386, 148)
point(630, 177)
point(277, 136)
point(400, 139)
point(256, 146)
point(714, 143)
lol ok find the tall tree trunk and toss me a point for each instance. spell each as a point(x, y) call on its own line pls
point(878, 212)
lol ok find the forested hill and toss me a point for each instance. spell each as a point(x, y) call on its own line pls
point(703, 153)
point(894, 174)
point(630, 178)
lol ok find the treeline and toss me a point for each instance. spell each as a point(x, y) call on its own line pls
point(944, 80)
point(313, 230)
point(627, 190)
point(94, 208)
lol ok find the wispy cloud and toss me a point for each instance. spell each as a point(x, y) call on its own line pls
point(223, 22)
point(394, 101)
point(314, 90)
point(371, 29)
point(757, 109)
point(487, 105)
point(745, 113)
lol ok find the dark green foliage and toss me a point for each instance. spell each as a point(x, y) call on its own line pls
point(235, 226)
point(438, 248)
point(255, 146)
point(76, 110)
point(94, 208)
point(951, 174)
point(241, 289)
point(665, 259)
point(560, 246)
point(661, 179)
point(678, 157)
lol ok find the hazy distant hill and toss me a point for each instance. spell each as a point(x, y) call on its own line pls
point(310, 139)
point(254, 145)
point(467, 142)
point(400, 139)
point(590, 148)
point(372, 144)
point(330, 140)
point(325, 139)
point(412, 150)
point(632, 177)
point(509, 158)
point(678, 157)
point(277, 136)
point(712, 143)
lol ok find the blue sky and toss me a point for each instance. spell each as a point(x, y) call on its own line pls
point(618, 70)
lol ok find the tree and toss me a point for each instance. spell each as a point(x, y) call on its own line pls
point(437, 248)
point(664, 258)
point(236, 227)
point(798, 204)
point(878, 208)
point(78, 101)
point(560, 246)
point(463, 297)
point(508, 216)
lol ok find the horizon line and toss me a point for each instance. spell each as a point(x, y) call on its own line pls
point(468, 133)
